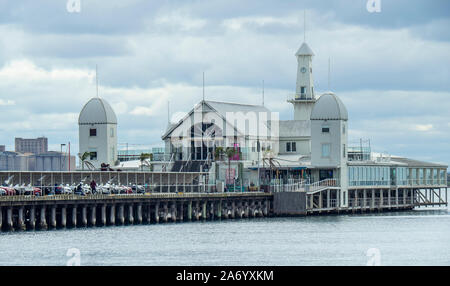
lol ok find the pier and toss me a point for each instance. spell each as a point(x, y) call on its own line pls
point(172, 197)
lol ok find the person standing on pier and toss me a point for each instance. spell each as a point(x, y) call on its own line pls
point(93, 186)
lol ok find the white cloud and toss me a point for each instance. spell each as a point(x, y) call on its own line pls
point(422, 127)
point(7, 102)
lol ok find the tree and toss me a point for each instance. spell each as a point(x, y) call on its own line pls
point(84, 160)
point(145, 159)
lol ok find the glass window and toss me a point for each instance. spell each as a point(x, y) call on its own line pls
point(288, 146)
point(343, 150)
point(326, 150)
point(92, 132)
point(325, 129)
point(93, 155)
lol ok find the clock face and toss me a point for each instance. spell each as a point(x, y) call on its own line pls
point(303, 69)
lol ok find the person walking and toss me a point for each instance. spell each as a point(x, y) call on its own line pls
point(93, 186)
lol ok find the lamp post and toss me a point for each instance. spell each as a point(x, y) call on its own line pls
point(60, 157)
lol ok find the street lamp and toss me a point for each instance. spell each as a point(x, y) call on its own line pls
point(60, 157)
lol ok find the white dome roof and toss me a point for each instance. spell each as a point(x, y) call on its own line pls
point(329, 107)
point(97, 111)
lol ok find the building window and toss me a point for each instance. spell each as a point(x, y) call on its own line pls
point(291, 147)
point(303, 89)
point(343, 129)
point(112, 132)
point(326, 150)
point(325, 129)
point(92, 132)
point(93, 155)
point(343, 150)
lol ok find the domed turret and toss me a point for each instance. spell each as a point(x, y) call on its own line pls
point(97, 111)
point(97, 125)
point(329, 107)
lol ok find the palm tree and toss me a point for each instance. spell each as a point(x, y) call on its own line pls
point(84, 160)
point(218, 153)
point(145, 159)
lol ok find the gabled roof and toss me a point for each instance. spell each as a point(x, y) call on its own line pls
point(97, 111)
point(304, 50)
point(222, 108)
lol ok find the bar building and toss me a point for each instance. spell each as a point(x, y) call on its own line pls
point(311, 151)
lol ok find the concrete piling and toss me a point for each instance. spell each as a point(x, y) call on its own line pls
point(139, 213)
point(32, 223)
point(103, 215)
point(20, 220)
point(121, 217)
point(43, 222)
point(130, 214)
point(112, 215)
point(63, 217)
point(157, 212)
point(74, 216)
point(9, 220)
point(53, 217)
point(84, 216)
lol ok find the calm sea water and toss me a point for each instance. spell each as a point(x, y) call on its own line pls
point(420, 237)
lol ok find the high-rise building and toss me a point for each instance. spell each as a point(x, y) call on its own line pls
point(36, 146)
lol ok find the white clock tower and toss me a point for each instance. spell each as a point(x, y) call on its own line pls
point(304, 98)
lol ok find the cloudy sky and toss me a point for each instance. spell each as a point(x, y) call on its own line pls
point(391, 68)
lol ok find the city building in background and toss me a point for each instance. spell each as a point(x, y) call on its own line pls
point(36, 146)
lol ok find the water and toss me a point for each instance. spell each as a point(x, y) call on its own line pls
point(419, 237)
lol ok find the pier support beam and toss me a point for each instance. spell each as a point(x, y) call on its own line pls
point(173, 211)
point(1, 218)
point(197, 210)
point(233, 209)
point(149, 214)
point(157, 212)
point(121, 217)
point(211, 210)
point(53, 217)
point(166, 212)
point(181, 217)
point(9, 219)
point(93, 220)
point(20, 220)
point(84, 215)
point(189, 211)
point(63, 216)
point(103, 215)
point(43, 223)
point(74, 216)
point(219, 210)
point(130, 214)
point(139, 213)
point(266, 206)
point(32, 223)
point(112, 215)
point(204, 210)
point(246, 209)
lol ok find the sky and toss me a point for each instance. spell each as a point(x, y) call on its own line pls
point(391, 68)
